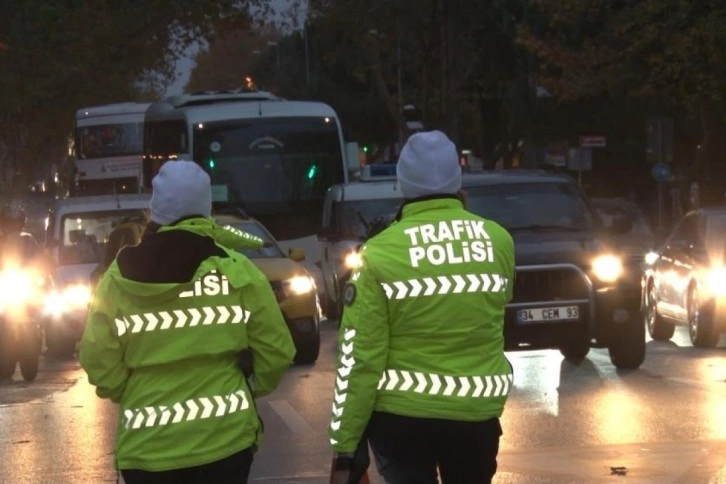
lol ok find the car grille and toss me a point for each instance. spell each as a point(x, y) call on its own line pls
point(549, 285)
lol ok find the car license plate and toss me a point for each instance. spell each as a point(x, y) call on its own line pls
point(537, 315)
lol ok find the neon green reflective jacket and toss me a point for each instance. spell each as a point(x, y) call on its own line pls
point(167, 353)
point(422, 328)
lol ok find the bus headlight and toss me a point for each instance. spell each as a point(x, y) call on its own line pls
point(299, 285)
point(716, 281)
point(607, 268)
point(352, 260)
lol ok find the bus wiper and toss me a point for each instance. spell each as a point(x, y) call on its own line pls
point(544, 227)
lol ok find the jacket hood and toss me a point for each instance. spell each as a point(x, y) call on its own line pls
point(222, 259)
point(226, 236)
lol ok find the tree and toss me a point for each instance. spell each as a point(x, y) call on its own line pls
point(666, 55)
point(64, 55)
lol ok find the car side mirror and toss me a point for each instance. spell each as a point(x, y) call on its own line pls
point(298, 255)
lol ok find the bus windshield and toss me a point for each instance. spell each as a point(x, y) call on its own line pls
point(280, 161)
point(109, 140)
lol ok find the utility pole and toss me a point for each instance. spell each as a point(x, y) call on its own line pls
point(307, 54)
point(400, 94)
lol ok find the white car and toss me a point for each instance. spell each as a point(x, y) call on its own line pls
point(78, 229)
point(348, 212)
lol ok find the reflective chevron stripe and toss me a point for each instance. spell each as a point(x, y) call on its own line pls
point(181, 318)
point(341, 380)
point(197, 408)
point(446, 385)
point(456, 284)
point(243, 234)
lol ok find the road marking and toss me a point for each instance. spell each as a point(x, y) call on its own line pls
point(294, 420)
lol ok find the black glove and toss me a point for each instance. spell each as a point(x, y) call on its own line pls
point(341, 469)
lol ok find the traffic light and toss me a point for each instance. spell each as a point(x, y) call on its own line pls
point(312, 172)
point(211, 163)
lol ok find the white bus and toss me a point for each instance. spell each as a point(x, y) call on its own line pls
point(108, 148)
point(272, 157)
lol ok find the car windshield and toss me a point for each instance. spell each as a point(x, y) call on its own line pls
point(84, 235)
point(109, 140)
point(352, 218)
point(253, 228)
point(531, 206)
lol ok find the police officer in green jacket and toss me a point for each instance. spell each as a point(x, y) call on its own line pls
point(168, 322)
point(421, 365)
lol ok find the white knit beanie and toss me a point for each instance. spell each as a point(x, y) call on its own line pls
point(180, 189)
point(428, 165)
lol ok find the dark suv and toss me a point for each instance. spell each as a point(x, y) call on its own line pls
point(572, 291)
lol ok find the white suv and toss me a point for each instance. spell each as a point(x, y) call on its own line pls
point(78, 229)
point(348, 212)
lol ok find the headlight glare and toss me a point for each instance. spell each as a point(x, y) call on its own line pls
point(607, 268)
point(16, 287)
point(77, 295)
point(352, 260)
point(716, 281)
point(299, 285)
point(651, 258)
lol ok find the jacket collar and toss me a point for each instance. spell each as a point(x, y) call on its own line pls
point(414, 206)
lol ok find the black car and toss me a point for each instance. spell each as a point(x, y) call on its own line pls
point(572, 291)
point(684, 282)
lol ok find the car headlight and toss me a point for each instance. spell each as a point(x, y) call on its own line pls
point(607, 268)
point(17, 287)
point(72, 297)
point(77, 295)
point(352, 260)
point(651, 258)
point(716, 281)
point(299, 285)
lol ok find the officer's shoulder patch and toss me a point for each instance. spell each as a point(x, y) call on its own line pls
point(349, 294)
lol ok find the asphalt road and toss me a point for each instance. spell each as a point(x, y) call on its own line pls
point(564, 423)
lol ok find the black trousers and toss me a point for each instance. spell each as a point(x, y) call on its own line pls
point(234, 469)
point(409, 450)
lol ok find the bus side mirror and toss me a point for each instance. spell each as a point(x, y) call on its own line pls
point(352, 156)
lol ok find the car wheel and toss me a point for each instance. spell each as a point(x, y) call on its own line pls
point(658, 329)
point(700, 322)
point(576, 346)
point(308, 348)
point(29, 363)
point(7, 364)
point(627, 347)
point(8, 357)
